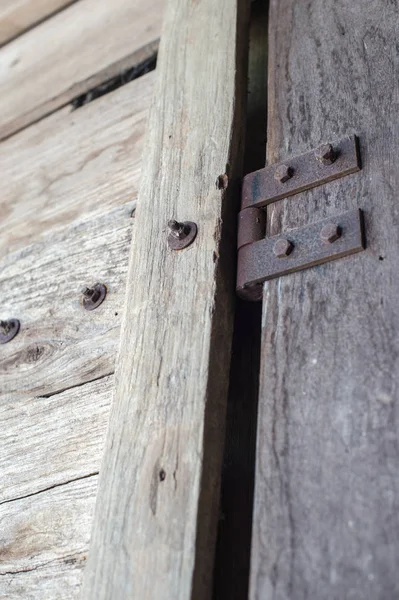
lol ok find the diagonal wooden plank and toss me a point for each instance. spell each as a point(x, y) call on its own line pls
point(155, 524)
point(73, 164)
point(82, 46)
point(50, 441)
point(44, 539)
point(61, 345)
point(16, 16)
point(326, 521)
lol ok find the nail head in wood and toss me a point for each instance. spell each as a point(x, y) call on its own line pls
point(181, 235)
point(8, 330)
point(94, 296)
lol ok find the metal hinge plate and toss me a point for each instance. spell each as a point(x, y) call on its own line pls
point(261, 259)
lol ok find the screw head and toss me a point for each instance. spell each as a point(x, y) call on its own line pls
point(283, 248)
point(330, 233)
point(181, 235)
point(8, 330)
point(325, 154)
point(283, 173)
point(93, 297)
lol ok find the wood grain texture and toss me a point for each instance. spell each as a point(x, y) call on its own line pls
point(326, 521)
point(44, 540)
point(73, 164)
point(51, 441)
point(155, 524)
point(90, 42)
point(61, 345)
point(16, 16)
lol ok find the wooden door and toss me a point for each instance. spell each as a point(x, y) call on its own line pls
point(326, 521)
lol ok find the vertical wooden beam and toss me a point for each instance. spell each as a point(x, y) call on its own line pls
point(326, 522)
point(155, 523)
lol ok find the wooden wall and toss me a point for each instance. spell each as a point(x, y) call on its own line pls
point(69, 185)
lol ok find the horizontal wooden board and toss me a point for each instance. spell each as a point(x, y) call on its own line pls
point(44, 541)
point(82, 46)
point(73, 163)
point(50, 441)
point(61, 345)
point(16, 16)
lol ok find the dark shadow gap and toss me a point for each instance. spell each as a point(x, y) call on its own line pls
point(232, 559)
point(116, 82)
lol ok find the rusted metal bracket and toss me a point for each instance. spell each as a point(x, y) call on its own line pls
point(298, 249)
point(300, 173)
point(260, 258)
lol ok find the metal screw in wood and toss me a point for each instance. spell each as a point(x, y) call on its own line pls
point(8, 330)
point(94, 296)
point(181, 235)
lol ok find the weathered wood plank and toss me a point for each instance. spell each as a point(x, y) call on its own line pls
point(326, 521)
point(155, 524)
point(61, 345)
point(16, 16)
point(50, 441)
point(73, 164)
point(44, 540)
point(90, 42)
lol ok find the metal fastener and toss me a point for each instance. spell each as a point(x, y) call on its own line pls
point(283, 173)
point(282, 248)
point(94, 296)
point(330, 233)
point(181, 235)
point(325, 154)
point(8, 330)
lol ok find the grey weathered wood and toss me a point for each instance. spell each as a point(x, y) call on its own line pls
point(73, 164)
point(61, 345)
point(90, 42)
point(155, 523)
point(16, 16)
point(50, 441)
point(326, 522)
point(44, 540)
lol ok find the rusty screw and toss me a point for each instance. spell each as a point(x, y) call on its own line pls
point(330, 233)
point(93, 297)
point(8, 330)
point(283, 173)
point(283, 248)
point(325, 154)
point(181, 235)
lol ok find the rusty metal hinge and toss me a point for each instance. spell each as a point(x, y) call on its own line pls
point(261, 258)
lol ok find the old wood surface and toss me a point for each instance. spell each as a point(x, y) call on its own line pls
point(16, 16)
point(61, 345)
point(44, 540)
point(90, 42)
point(326, 521)
point(155, 523)
point(51, 441)
point(73, 164)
